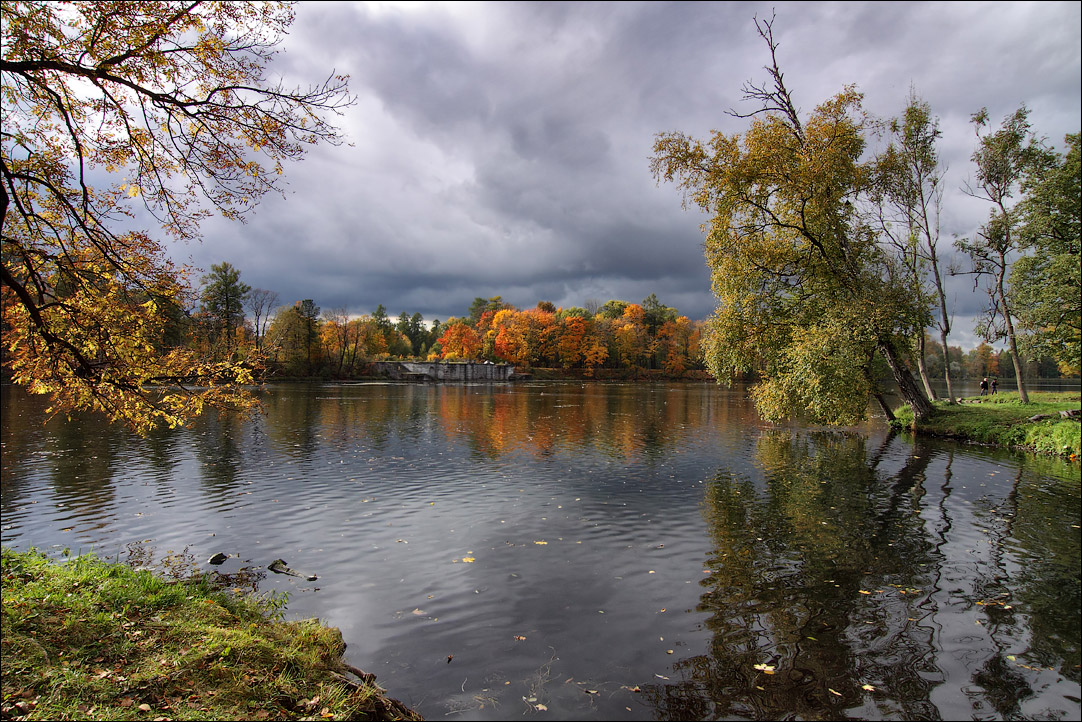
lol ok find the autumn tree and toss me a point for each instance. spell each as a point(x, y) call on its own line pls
point(108, 104)
point(806, 295)
point(459, 341)
point(1002, 157)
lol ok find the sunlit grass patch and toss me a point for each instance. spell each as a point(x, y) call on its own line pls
point(1003, 420)
point(86, 639)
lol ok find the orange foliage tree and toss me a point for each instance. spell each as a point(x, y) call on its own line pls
point(459, 341)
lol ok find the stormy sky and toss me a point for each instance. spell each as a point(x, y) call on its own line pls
point(503, 148)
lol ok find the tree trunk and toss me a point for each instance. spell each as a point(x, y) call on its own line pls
point(1012, 344)
point(947, 365)
point(928, 390)
point(907, 385)
point(944, 329)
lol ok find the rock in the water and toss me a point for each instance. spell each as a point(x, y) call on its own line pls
point(278, 566)
point(217, 559)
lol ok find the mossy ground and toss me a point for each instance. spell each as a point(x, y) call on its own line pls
point(88, 639)
point(1003, 420)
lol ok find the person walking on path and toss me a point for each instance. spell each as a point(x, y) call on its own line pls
point(994, 384)
point(984, 386)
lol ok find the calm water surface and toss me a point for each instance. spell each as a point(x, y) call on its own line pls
point(600, 551)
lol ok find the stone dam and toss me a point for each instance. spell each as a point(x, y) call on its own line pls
point(446, 372)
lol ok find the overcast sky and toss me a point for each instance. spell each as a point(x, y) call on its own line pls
point(503, 148)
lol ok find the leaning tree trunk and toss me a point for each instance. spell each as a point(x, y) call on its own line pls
point(922, 368)
point(1012, 345)
point(907, 385)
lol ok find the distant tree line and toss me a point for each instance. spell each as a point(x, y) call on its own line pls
point(232, 319)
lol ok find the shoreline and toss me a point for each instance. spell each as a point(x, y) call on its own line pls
point(1051, 424)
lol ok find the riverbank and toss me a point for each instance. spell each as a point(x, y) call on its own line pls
point(1003, 420)
point(88, 639)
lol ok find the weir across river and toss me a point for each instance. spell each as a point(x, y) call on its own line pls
point(449, 372)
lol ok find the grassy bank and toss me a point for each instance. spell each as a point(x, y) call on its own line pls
point(1003, 420)
point(87, 639)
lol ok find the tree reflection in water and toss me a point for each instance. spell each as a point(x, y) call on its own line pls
point(839, 586)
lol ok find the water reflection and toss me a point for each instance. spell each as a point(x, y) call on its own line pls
point(852, 574)
point(836, 589)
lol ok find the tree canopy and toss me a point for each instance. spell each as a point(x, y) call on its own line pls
point(806, 294)
point(111, 104)
point(1046, 283)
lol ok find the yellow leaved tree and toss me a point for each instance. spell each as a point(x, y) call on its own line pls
point(809, 297)
point(112, 105)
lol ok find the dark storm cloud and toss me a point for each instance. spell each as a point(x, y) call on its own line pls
point(503, 148)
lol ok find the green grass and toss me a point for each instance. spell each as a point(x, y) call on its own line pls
point(87, 639)
point(1003, 420)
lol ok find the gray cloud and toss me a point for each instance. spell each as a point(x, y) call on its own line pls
point(503, 148)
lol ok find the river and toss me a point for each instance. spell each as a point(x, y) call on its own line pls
point(598, 551)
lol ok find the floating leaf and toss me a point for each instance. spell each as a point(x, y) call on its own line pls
point(834, 691)
point(867, 687)
point(540, 543)
point(766, 668)
point(468, 560)
point(520, 638)
point(862, 591)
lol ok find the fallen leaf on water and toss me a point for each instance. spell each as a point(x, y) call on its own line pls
point(540, 543)
point(540, 708)
point(520, 638)
point(867, 687)
point(834, 692)
point(418, 612)
point(469, 560)
point(766, 668)
point(862, 591)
